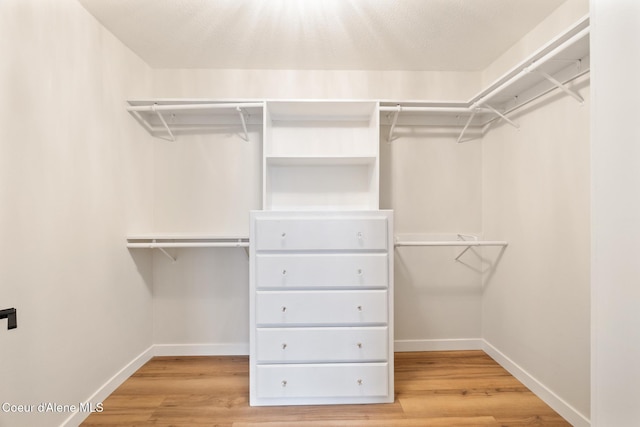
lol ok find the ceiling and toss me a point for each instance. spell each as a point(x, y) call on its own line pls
point(451, 35)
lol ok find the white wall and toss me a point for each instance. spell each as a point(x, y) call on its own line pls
point(75, 170)
point(536, 196)
point(205, 184)
point(615, 162)
point(315, 84)
point(434, 186)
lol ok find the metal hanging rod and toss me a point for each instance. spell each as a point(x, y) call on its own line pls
point(187, 242)
point(434, 109)
point(453, 243)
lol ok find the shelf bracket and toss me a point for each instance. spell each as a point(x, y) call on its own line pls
point(244, 123)
point(464, 129)
point(164, 123)
point(462, 237)
point(502, 116)
point(559, 85)
point(164, 251)
point(486, 127)
point(393, 124)
point(246, 248)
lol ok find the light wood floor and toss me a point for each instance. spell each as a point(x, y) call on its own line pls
point(456, 388)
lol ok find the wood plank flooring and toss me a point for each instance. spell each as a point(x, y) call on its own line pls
point(454, 388)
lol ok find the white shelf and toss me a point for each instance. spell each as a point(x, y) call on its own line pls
point(321, 155)
point(167, 118)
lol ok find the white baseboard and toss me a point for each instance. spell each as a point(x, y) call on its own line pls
point(438, 345)
point(567, 411)
point(107, 388)
point(224, 349)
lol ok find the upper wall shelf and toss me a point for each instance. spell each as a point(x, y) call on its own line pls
point(166, 118)
point(554, 66)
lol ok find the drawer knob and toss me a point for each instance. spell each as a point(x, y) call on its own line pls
point(284, 309)
point(284, 272)
point(284, 383)
point(359, 235)
point(359, 308)
point(284, 235)
point(359, 272)
point(359, 382)
point(359, 345)
point(284, 345)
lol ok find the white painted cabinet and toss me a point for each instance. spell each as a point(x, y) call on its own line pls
point(321, 297)
point(321, 319)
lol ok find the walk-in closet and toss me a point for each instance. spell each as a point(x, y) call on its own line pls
point(323, 199)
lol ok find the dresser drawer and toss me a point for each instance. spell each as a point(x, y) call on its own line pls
point(315, 233)
point(321, 270)
point(321, 307)
point(329, 380)
point(313, 345)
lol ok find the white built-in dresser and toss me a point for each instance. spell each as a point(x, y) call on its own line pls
point(321, 254)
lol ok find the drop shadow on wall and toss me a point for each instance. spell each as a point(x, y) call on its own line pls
point(143, 260)
point(490, 265)
point(441, 277)
point(431, 271)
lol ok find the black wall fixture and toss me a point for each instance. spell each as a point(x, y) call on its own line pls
point(12, 317)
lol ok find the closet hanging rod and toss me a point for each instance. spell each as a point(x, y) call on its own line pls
point(461, 110)
point(187, 107)
point(452, 243)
